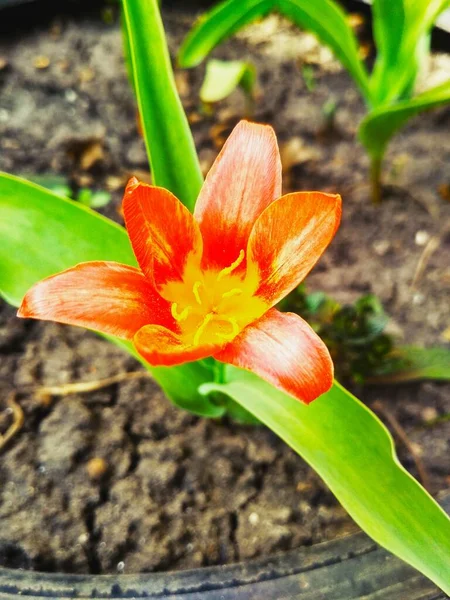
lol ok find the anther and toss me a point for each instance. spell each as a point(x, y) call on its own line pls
point(202, 328)
point(197, 286)
point(179, 316)
point(233, 292)
point(232, 267)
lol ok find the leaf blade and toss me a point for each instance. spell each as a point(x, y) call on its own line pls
point(168, 138)
point(223, 77)
point(377, 128)
point(328, 22)
point(412, 363)
point(401, 31)
point(218, 24)
point(353, 452)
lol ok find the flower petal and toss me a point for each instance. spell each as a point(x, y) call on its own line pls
point(162, 231)
point(104, 296)
point(162, 347)
point(284, 350)
point(288, 239)
point(244, 179)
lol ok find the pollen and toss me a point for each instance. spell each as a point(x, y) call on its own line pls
point(179, 316)
point(232, 267)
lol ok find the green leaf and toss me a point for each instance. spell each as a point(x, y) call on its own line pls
point(379, 126)
point(354, 454)
point(401, 31)
point(329, 23)
point(222, 77)
point(42, 233)
point(93, 199)
point(168, 139)
point(324, 18)
point(217, 25)
point(408, 363)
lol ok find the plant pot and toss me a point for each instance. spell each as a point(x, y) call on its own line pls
point(347, 568)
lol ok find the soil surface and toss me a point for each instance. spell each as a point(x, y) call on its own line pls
point(118, 479)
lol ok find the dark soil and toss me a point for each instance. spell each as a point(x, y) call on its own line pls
point(178, 491)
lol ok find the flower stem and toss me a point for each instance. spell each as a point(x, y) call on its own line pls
point(375, 179)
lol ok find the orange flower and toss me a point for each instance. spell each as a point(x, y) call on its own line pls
point(208, 282)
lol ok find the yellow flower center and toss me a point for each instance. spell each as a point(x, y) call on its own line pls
point(212, 307)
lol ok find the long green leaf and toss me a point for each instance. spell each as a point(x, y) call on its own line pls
point(323, 17)
point(354, 454)
point(329, 23)
point(409, 363)
point(168, 139)
point(401, 31)
point(217, 25)
point(42, 233)
point(379, 126)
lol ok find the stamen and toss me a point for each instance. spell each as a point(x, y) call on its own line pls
point(233, 292)
point(179, 316)
point(202, 328)
point(232, 267)
point(197, 286)
point(232, 334)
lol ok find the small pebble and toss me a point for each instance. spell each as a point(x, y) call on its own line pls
point(381, 247)
point(418, 298)
point(253, 518)
point(421, 238)
point(70, 95)
point(429, 413)
point(96, 468)
point(83, 538)
point(41, 62)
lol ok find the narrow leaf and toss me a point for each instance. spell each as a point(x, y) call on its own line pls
point(42, 233)
point(223, 77)
point(408, 363)
point(217, 25)
point(401, 31)
point(329, 23)
point(168, 139)
point(354, 454)
point(379, 126)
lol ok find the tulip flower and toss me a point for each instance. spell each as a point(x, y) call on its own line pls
point(208, 282)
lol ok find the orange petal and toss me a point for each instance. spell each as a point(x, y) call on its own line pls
point(162, 231)
point(284, 350)
point(244, 179)
point(288, 239)
point(104, 296)
point(161, 347)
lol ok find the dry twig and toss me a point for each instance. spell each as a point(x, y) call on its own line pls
point(18, 420)
point(89, 386)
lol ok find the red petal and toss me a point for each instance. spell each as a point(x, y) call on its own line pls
point(284, 350)
point(104, 296)
point(161, 347)
point(288, 239)
point(162, 231)
point(244, 179)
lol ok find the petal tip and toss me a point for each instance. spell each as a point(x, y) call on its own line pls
point(22, 312)
point(132, 184)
